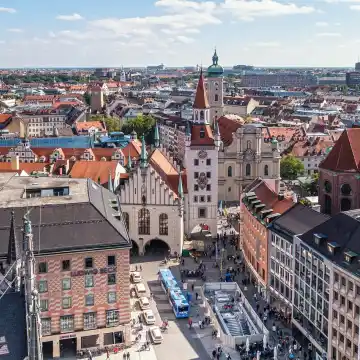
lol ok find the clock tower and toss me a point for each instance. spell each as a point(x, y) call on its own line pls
point(201, 161)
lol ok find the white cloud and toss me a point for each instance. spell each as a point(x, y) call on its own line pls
point(14, 30)
point(321, 24)
point(328, 34)
point(251, 9)
point(40, 40)
point(355, 7)
point(72, 17)
point(185, 39)
point(267, 44)
point(7, 10)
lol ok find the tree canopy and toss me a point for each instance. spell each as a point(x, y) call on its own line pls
point(143, 125)
point(291, 167)
point(311, 187)
point(112, 123)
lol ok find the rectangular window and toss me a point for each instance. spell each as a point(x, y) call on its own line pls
point(196, 175)
point(44, 305)
point(65, 265)
point(66, 284)
point(208, 162)
point(88, 263)
point(43, 268)
point(67, 323)
point(112, 318)
point(46, 326)
point(90, 321)
point(202, 213)
point(208, 187)
point(208, 174)
point(111, 260)
point(195, 199)
point(196, 162)
point(42, 286)
point(66, 302)
point(89, 281)
point(89, 299)
point(111, 279)
point(208, 198)
point(202, 198)
point(111, 297)
point(196, 187)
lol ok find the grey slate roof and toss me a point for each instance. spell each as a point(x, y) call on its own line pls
point(342, 229)
point(91, 222)
point(297, 220)
point(13, 326)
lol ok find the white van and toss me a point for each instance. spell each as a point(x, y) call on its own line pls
point(155, 335)
point(135, 277)
point(140, 290)
point(144, 303)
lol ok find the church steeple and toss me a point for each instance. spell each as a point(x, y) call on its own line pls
point(215, 58)
point(156, 136)
point(180, 188)
point(201, 108)
point(129, 163)
point(143, 155)
point(11, 256)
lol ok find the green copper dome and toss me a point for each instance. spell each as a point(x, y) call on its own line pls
point(215, 70)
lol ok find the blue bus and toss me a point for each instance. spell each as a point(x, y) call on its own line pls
point(176, 297)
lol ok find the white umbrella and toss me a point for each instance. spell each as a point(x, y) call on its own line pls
point(258, 355)
point(264, 342)
point(247, 345)
point(275, 353)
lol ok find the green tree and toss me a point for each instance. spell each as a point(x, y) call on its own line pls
point(311, 187)
point(87, 98)
point(112, 123)
point(291, 167)
point(143, 126)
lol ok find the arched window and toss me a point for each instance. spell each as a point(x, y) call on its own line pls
point(345, 189)
point(126, 220)
point(163, 224)
point(144, 222)
point(216, 97)
point(201, 115)
point(327, 204)
point(248, 170)
point(229, 171)
point(248, 144)
point(266, 170)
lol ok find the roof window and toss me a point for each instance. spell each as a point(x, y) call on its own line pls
point(349, 256)
point(319, 238)
point(333, 247)
point(46, 192)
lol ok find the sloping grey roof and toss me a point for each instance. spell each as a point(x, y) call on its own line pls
point(298, 220)
point(72, 226)
point(13, 326)
point(342, 229)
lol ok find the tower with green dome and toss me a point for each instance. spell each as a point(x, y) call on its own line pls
point(215, 88)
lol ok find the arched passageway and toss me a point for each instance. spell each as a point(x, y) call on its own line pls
point(135, 249)
point(156, 247)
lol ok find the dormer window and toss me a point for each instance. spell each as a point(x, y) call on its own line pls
point(318, 238)
point(349, 256)
point(333, 247)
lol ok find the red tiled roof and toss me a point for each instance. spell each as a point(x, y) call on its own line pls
point(227, 127)
point(134, 147)
point(345, 155)
point(4, 118)
point(98, 171)
point(201, 100)
point(85, 126)
point(196, 130)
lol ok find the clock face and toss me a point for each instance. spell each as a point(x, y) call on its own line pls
point(202, 180)
point(202, 154)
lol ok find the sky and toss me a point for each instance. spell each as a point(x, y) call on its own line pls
point(115, 33)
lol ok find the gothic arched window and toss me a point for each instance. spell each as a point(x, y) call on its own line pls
point(248, 170)
point(144, 222)
point(126, 220)
point(266, 170)
point(248, 144)
point(201, 115)
point(216, 97)
point(229, 171)
point(163, 224)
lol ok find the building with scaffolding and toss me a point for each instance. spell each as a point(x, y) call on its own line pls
point(74, 262)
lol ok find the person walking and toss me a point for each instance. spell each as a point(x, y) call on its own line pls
point(90, 355)
point(107, 354)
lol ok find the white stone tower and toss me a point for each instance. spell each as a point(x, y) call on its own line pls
point(201, 161)
point(215, 89)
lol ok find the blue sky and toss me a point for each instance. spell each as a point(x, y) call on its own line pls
point(41, 33)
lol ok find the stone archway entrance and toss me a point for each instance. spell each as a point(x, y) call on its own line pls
point(135, 249)
point(156, 247)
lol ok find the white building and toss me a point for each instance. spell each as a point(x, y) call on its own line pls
point(160, 201)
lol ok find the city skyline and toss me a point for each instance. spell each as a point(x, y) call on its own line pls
point(179, 33)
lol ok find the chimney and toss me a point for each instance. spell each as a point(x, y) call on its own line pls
point(15, 163)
